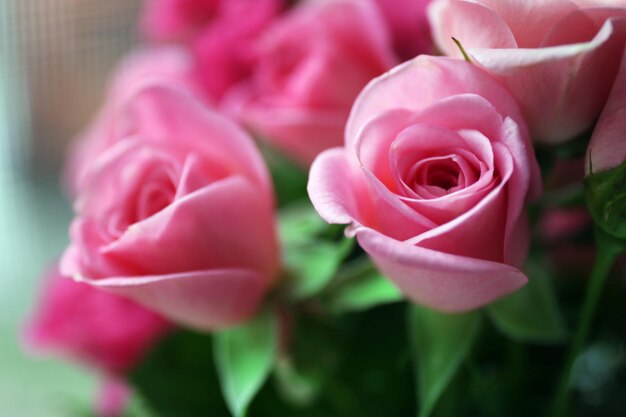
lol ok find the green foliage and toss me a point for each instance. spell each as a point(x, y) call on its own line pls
point(606, 200)
point(244, 358)
point(357, 365)
point(359, 286)
point(178, 378)
point(289, 179)
point(440, 343)
point(312, 250)
point(531, 314)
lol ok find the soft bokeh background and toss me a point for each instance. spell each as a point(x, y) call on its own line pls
point(55, 56)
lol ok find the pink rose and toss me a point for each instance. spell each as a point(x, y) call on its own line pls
point(114, 397)
point(92, 326)
point(139, 67)
point(433, 178)
point(221, 34)
point(409, 26)
point(312, 65)
point(607, 148)
point(558, 57)
point(177, 214)
point(164, 20)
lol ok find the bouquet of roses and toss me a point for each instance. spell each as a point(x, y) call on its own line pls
point(352, 208)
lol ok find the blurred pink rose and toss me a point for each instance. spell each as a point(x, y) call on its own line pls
point(114, 398)
point(220, 33)
point(177, 213)
point(408, 23)
point(86, 324)
point(139, 67)
point(312, 65)
point(166, 20)
point(607, 148)
point(558, 57)
point(433, 178)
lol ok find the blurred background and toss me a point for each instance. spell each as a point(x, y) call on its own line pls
point(55, 56)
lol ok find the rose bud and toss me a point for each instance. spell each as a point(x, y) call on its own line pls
point(104, 331)
point(220, 33)
point(605, 184)
point(433, 178)
point(177, 214)
point(312, 64)
point(141, 66)
point(558, 57)
point(82, 323)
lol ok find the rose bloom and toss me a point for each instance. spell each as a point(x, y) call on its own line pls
point(177, 213)
point(409, 26)
point(559, 58)
point(109, 333)
point(220, 33)
point(312, 65)
point(146, 65)
point(433, 178)
point(86, 324)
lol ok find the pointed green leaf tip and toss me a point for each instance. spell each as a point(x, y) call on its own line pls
point(463, 52)
point(439, 343)
point(605, 193)
point(244, 357)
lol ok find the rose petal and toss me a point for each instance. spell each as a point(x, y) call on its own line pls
point(229, 236)
point(206, 299)
point(437, 279)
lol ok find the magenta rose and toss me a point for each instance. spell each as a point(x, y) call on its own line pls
point(177, 213)
point(409, 26)
point(220, 33)
point(558, 57)
point(433, 178)
point(312, 64)
point(141, 66)
point(83, 323)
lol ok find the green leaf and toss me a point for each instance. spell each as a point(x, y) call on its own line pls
point(531, 314)
point(299, 222)
point(605, 193)
point(313, 265)
point(298, 387)
point(244, 357)
point(440, 343)
point(288, 178)
point(360, 286)
point(178, 378)
point(312, 253)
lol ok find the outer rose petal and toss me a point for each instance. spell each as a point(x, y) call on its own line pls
point(335, 188)
point(206, 300)
point(560, 63)
point(607, 148)
point(439, 280)
point(569, 83)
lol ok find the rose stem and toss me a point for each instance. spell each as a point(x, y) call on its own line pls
point(608, 249)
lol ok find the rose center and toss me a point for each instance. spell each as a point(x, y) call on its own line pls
point(442, 174)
